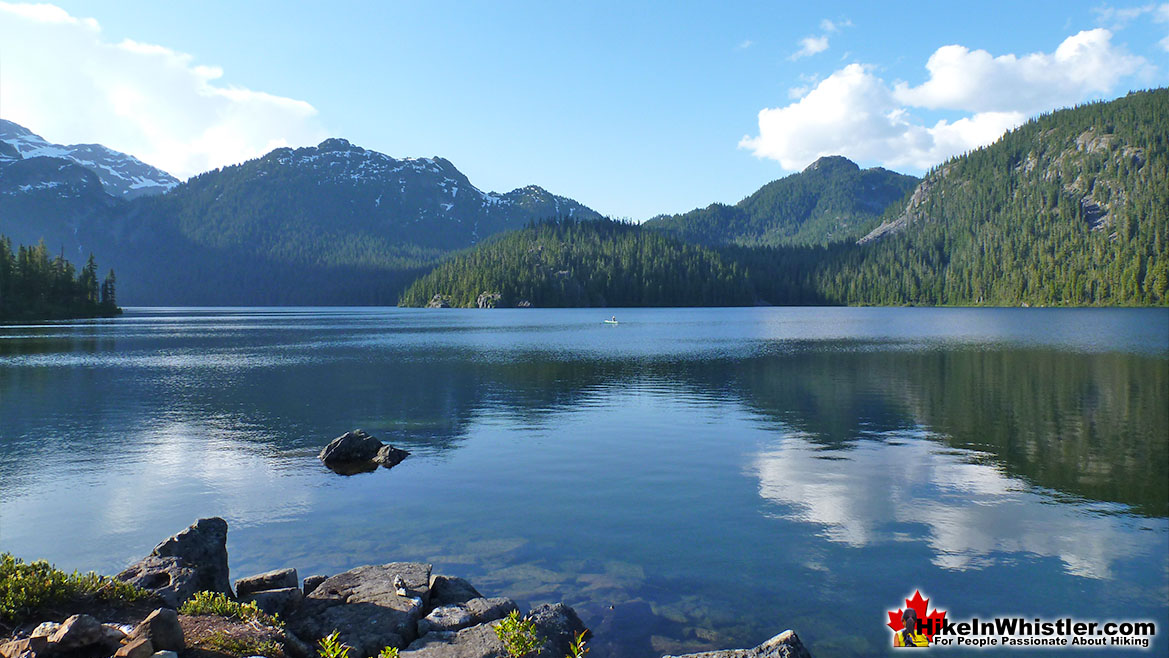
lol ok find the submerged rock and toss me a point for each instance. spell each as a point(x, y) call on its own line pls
point(358, 452)
point(191, 561)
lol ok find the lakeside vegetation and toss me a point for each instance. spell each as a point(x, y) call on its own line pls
point(36, 287)
point(27, 588)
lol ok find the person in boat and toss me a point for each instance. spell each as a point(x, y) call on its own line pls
point(910, 635)
point(613, 319)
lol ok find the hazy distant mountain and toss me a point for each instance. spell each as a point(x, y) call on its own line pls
point(122, 176)
point(331, 224)
point(831, 200)
point(337, 203)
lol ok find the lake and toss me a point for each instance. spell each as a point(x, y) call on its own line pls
point(687, 479)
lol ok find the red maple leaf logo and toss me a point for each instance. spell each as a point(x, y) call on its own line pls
point(929, 623)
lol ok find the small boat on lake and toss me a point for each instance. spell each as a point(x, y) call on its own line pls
point(612, 320)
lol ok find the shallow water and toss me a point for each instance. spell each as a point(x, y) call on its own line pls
point(687, 479)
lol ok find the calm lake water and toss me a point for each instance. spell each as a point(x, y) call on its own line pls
point(687, 479)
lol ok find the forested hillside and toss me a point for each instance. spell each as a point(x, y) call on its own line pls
point(1071, 208)
point(830, 201)
point(584, 263)
point(36, 287)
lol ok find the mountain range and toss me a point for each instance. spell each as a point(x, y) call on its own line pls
point(334, 223)
point(1068, 209)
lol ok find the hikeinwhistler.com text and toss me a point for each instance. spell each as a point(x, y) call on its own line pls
point(1019, 632)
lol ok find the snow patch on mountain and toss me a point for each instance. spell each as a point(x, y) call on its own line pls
point(121, 175)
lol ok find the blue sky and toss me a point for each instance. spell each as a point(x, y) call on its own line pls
point(631, 108)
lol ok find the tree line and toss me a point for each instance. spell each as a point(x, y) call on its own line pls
point(581, 263)
point(34, 286)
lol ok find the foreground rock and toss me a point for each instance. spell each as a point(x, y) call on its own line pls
point(278, 579)
point(785, 645)
point(191, 561)
point(357, 452)
point(83, 635)
point(163, 630)
point(556, 626)
point(364, 605)
point(458, 616)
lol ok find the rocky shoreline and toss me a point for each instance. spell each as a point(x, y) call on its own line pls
point(400, 606)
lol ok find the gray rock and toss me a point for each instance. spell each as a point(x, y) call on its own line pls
point(556, 626)
point(163, 629)
point(276, 579)
point(357, 452)
point(281, 602)
point(355, 446)
point(112, 636)
point(30, 646)
point(458, 616)
point(785, 645)
point(312, 582)
point(45, 629)
point(193, 560)
point(474, 642)
point(364, 606)
point(445, 590)
point(390, 456)
point(294, 647)
point(438, 301)
point(77, 632)
point(139, 648)
point(488, 299)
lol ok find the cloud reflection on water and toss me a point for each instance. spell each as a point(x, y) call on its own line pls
point(905, 487)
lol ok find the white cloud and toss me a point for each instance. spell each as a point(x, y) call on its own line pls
point(961, 79)
point(746, 44)
point(72, 86)
point(834, 26)
point(1118, 18)
point(1161, 15)
point(855, 113)
point(810, 46)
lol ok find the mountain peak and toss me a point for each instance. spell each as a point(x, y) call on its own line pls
point(121, 175)
point(831, 162)
point(337, 144)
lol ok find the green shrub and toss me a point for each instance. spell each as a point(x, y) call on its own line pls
point(331, 647)
point(388, 652)
point(578, 649)
point(518, 635)
point(26, 588)
point(215, 603)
